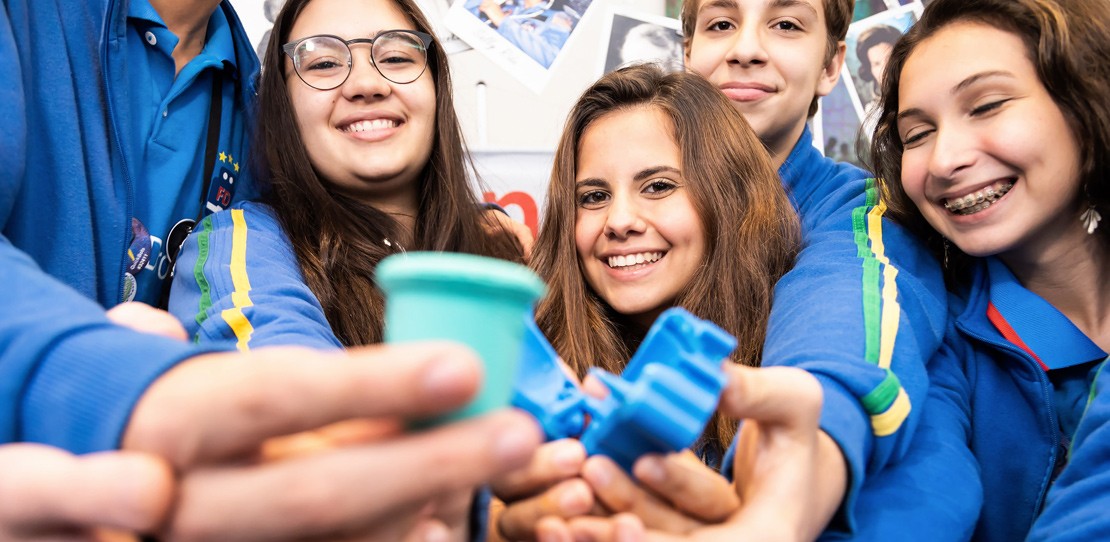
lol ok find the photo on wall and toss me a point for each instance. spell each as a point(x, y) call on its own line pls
point(869, 43)
point(632, 37)
point(525, 37)
point(839, 125)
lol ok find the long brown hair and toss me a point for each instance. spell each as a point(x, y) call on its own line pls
point(338, 240)
point(750, 227)
point(1068, 42)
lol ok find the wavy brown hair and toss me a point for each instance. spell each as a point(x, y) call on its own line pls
point(1068, 42)
point(838, 15)
point(338, 239)
point(751, 229)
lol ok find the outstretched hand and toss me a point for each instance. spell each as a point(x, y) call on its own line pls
point(234, 425)
point(777, 492)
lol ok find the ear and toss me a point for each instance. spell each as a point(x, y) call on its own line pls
point(830, 74)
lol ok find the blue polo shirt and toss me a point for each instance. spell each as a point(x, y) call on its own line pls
point(170, 122)
point(1069, 357)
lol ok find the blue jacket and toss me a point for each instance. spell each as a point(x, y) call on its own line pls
point(68, 378)
point(238, 281)
point(1077, 503)
point(863, 310)
point(996, 390)
point(245, 286)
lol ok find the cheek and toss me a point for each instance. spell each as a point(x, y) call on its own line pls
point(914, 171)
point(309, 109)
point(585, 235)
point(705, 56)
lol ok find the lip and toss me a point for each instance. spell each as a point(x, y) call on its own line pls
point(972, 189)
point(746, 91)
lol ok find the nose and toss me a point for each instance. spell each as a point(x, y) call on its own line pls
point(748, 47)
point(953, 152)
point(624, 219)
point(365, 81)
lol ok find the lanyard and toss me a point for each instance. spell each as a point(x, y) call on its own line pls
point(184, 227)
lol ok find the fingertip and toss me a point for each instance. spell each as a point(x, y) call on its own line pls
point(517, 438)
point(567, 456)
point(451, 375)
point(628, 528)
point(136, 489)
point(553, 529)
point(575, 498)
point(599, 471)
point(650, 469)
point(593, 387)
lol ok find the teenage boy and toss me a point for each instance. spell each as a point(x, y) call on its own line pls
point(865, 305)
point(864, 308)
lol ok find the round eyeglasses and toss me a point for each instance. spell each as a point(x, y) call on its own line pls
point(323, 62)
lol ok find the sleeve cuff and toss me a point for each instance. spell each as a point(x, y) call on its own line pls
point(844, 420)
point(82, 396)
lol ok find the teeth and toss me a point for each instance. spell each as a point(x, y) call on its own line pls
point(975, 202)
point(370, 125)
point(629, 260)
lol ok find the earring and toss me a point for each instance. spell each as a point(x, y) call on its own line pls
point(945, 262)
point(1090, 218)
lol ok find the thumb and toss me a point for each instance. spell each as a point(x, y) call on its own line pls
point(780, 396)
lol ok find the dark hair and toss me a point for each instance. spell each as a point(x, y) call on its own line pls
point(751, 229)
point(838, 15)
point(338, 239)
point(1068, 42)
point(869, 38)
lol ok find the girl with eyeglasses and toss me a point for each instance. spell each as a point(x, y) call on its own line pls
point(362, 158)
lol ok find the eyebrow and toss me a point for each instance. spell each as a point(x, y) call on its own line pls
point(777, 4)
point(718, 4)
point(643, 174)
point(960, 87)
point(592, 182)
point(781, 4)
point(653, 171)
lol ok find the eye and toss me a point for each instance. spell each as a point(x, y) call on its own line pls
point(988, 108)
point(914, 137)
point(592, 199)
point(394, 57)
point(659, 187)
point(720, 25)
point(789, 26)
point(324, 64)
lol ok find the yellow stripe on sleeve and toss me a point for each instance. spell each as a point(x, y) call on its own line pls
point(886, 423)
point(891, 312)
point(241, 295)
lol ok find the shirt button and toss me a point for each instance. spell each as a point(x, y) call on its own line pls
point(165, 113)
point(151, 38)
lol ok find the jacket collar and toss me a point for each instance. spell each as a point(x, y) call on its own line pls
point(1000, 309)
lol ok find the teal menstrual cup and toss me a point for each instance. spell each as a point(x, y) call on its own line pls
point(478, 301)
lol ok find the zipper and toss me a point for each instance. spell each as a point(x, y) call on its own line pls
point(1050, 411)
point(106, 40)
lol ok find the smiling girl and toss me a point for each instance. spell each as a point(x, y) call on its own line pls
point(364, 158)
point(661, 196)
point(997, 156)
